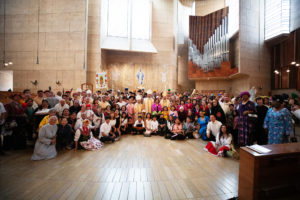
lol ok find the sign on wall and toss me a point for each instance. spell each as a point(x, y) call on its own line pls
point(101, 80)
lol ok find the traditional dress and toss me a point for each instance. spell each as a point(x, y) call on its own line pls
point(43, 148)
point(156, 107)
point(245, 126)
point(85, 139)
point(279, 124)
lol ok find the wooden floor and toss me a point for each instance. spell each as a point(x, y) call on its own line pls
point(135, 167)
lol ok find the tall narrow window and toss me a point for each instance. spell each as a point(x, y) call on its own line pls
point(117, 18)
point(126, 25)
point(277, 17)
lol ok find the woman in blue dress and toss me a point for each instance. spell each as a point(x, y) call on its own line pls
point(278, 122)
point(203, 121)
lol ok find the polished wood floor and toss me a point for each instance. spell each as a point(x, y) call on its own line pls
point(135, 167)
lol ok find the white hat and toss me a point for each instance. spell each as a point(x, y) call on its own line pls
point(89, 92)
point(138, 97)
point(78, 90)
point(149, 91)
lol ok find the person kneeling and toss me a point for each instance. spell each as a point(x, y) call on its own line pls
point(139, 126)
point(222, 144)
point(45, 145)
point(178, 133)
point(84, 138)
point(106, 134)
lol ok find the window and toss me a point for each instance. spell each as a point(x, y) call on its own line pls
point(277, 17)
point(126, 25)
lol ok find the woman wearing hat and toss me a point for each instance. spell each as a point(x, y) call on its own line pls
point(245, 125)
point(278, 122)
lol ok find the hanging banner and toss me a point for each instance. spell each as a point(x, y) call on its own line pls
point(140, 77)
point(101, 80)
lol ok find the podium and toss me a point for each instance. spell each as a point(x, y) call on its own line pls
point(273, 175)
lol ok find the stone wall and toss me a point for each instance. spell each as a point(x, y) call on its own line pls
point(61, 42)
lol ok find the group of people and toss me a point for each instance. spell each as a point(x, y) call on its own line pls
point(86, 120)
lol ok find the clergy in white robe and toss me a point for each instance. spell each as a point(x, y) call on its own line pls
point(148, 102)
point(45, 145)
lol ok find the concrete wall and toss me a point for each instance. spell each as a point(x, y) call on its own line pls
point(61, 42)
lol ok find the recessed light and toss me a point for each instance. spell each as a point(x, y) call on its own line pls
point(288, 71)
point(292, 63)
point(10, 63)
point(6, 64)
point(297, 64)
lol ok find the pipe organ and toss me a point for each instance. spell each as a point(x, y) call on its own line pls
point(208, 40)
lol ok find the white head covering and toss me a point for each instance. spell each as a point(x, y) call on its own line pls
point(149, 91)
point(89, 92)
point(78, 90)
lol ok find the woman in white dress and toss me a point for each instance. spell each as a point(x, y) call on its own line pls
point(45, 145)
point(222, 144)
point(148, 122)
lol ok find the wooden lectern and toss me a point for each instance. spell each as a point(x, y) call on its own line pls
point(270, 175)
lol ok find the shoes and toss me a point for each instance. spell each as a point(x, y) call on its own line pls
point(118, 138)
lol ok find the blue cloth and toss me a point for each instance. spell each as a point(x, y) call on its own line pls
point(203, 125)
point(279, 124)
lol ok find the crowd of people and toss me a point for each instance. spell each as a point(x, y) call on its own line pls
point(86, 120)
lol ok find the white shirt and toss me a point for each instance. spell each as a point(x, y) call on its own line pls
point(123, 121)
point(59, 108)
point(105, 128)
point(224, 141)
point(154, 125)
point(122, 104)
point(214, 127)
point(112, 122)
point(148, 123)
point(88, 113)
point(2, 111)
point(137, 122)
point(297, 113)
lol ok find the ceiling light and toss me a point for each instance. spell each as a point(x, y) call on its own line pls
point(6, 64)
point(297, 64)
point(10, 63)
point(276, 72)
point(292, 63)
point(288, 71)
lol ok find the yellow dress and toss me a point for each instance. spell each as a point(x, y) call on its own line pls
point(166, 114)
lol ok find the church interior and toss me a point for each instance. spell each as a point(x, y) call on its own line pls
point(150, 99)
